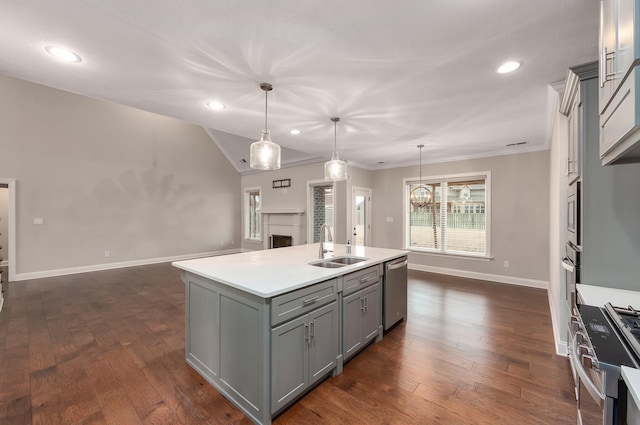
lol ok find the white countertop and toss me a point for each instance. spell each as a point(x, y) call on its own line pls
point(272, 272)
point(631, 377)
point(600, 295)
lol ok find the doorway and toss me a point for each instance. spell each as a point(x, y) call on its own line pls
point(361, 216)
point(8, 229)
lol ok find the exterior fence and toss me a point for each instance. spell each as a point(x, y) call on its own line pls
point(474, 221)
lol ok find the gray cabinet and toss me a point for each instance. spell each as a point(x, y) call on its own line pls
point(619, 81)
point(303, 351)
point(361, 310)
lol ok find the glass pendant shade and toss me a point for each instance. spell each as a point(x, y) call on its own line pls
point(264, 154)
point(336, 169)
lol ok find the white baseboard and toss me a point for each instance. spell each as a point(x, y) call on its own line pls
point(482, 276)
point(110, 266)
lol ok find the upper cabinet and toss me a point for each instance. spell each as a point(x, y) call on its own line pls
point(619, 81)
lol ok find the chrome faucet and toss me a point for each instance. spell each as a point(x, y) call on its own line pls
point(322, 233)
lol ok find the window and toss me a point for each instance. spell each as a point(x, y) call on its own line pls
point(453, 218)
point(320, 202)
point(252, 219)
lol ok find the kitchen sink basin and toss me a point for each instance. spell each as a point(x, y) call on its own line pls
point(332, 263)
point(346, 260)
point(327, 264)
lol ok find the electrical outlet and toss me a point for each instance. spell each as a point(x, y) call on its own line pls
point(389, 219)
point(38, 220)
point(506, 264)
point(107, 254)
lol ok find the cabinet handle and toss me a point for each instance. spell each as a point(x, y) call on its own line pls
point(310, 300)
point(362, 305)
point(366, 302)
point(312, 330)
point(367, 279)
point(603, 66)
point(307, 338)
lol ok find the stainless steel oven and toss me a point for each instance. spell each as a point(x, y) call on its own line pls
point(573, 214)
point(596, 352)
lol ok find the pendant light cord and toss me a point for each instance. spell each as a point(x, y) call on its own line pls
point(335, 136)
point(266, 93)
point(420, 146)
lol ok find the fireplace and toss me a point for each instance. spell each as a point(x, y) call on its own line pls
point(280, 241)
point(282, 228)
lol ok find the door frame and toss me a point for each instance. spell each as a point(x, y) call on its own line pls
point(369, 194)
point(11, 228)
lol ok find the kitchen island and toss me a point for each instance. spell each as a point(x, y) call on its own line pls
point(264, 327)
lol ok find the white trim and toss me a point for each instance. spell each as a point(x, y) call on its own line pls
point(532, 283)
point(4, 263)
point(245, 212)
point(11, 183)
point(110, 266)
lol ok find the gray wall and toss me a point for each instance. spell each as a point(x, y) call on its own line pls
point(519, 209)
point(105, 177)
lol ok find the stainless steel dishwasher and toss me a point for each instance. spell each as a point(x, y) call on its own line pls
point(395, 292)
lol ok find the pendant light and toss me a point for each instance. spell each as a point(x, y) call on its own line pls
point(336, 169)
point(420, 196)
point(265, 155)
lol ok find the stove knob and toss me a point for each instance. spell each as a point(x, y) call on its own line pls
point(581, 337)
point(584, 350)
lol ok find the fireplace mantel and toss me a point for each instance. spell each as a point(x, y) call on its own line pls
point(287, 222)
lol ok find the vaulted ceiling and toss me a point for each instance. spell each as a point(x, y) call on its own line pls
point(397, 73)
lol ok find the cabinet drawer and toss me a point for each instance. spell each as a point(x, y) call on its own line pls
point(355, 281)
point(302, 301)
point(620, 120)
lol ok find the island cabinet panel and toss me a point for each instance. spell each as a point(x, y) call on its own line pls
point(228, 343)
point(241, 348)
point(202, 327)
point(304, 350)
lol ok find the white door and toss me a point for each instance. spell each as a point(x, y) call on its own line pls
point(361, 217)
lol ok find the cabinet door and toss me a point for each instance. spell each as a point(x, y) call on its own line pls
point(607, 70)
point(372, 312)
point(323, 341)
point(289, 362)
point(573, 148)
point(627, 32)
point(352, 307)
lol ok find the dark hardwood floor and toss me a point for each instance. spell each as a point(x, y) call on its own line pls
point(108, 348)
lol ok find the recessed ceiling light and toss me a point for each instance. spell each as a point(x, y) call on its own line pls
point(62, 54)
point(216, 106)
point(509, 67)
point(295, 132)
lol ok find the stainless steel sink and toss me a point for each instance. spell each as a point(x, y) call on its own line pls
point(327, 264)
point(346, 260)
point(332, 263)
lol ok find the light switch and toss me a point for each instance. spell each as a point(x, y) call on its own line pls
point(389, 219)
point(38, 220)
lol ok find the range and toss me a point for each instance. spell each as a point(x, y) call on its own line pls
point(601, 340)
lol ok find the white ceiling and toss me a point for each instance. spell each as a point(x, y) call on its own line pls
point(398, 73)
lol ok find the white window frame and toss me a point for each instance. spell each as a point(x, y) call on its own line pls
point(449, 178)
point(246, 198)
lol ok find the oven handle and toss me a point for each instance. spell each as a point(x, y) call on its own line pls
point(596, 394)
point(567, 264)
